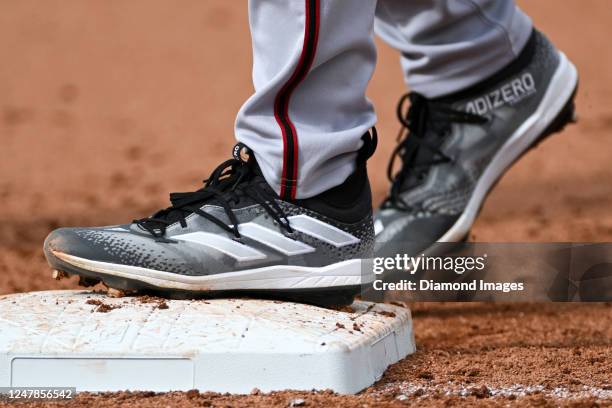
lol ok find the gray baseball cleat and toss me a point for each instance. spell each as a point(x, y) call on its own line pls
point(234, 236)
point(457, 147)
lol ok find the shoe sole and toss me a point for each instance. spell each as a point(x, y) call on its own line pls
point(554, 112)
point(332, 285)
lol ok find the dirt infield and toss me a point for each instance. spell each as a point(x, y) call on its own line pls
point(105, 107)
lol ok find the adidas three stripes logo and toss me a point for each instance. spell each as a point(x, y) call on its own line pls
point(271, 238)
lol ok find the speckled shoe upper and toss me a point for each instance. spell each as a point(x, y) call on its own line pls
point(131, 245)
point(236, 222)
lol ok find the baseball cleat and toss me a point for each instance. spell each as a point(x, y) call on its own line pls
point(454, 149)
point(234, 236)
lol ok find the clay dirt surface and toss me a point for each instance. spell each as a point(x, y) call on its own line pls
point(106, 107)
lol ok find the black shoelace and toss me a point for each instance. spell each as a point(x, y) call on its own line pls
point(424, 126)
point(231, 181)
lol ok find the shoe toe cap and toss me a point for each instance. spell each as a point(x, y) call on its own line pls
point(113, 246)
point(69, 242)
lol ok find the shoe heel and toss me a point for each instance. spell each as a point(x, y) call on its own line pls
point(566, 116)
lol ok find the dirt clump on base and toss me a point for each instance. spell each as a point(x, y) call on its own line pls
point(158, 302)
point(101, 306)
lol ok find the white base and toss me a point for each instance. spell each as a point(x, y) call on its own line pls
point(55, 338)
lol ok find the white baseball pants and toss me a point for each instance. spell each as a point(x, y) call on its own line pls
point(314, 58)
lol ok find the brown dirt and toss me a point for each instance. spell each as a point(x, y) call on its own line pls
point(159, 303)
point(105, 107)
point(101, 306)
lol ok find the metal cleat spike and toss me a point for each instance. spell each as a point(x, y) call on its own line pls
point(116, 293)
point(59, 275)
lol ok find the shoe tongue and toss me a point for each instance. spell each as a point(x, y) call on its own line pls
point(230, 190)
point(254, 178)
point(419, 161)
point(243, 153)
